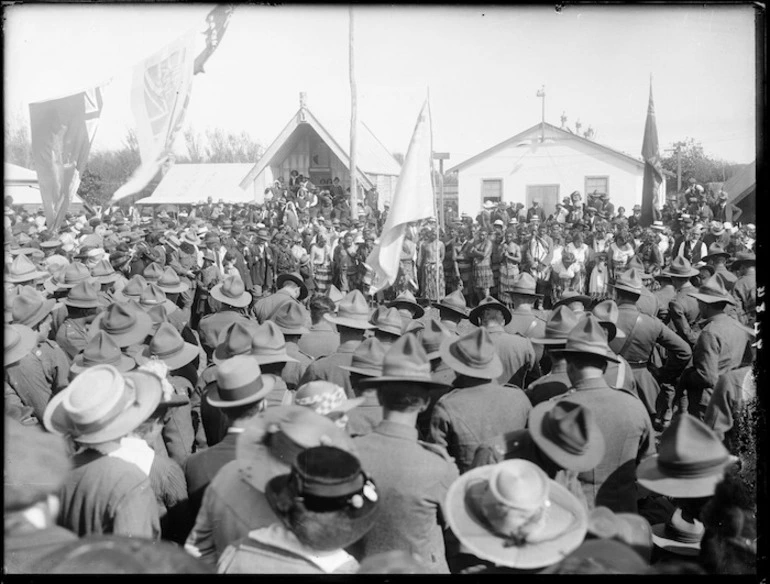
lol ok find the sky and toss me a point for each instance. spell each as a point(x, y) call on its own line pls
point(481, 66)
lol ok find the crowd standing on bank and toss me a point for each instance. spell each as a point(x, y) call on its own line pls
point(214, 389)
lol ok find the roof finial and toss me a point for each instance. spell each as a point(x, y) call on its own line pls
point(563, 120)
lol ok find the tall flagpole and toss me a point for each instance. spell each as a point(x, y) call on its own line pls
point(433, 194)
point(353, 122)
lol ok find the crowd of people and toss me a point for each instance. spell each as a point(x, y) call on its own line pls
point(215, 389)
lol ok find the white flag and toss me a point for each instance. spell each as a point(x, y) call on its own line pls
point(160, 93)
point(412, 201)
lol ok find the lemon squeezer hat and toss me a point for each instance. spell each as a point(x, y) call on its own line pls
point(84, 295)
point(558, 326)
point(588, 338)
point(171, 283)
point(19, 340)
point(29, 307)
point(407, 301)
point(101, 349)
point(132, 290)
point(126, 324)
point(232, 292)
point(104, 273)
point(239, 382)
point(367, 358)
point(152, 295)
point(352, 312)
point(473, 355)
point(405, 362)
point(234, 340)
point(23, 270)
point(153, 272)
point(387, 320)
point(433, 336)
point(268, 345)
point(454, 302)
point(629, 281)
point(680, 268)
point(290, 318)
point(713, 291)
point(607, 313)
point(525, 285)
point(167, 345)
point(489, 302)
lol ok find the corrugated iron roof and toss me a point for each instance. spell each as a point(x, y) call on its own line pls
point(741, 183)
point(192, 183)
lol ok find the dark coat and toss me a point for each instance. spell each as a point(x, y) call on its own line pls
point(26, 547)
point(202, 467)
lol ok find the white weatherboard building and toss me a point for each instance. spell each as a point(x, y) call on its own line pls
point(525, 167)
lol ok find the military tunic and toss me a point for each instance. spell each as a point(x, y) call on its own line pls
point(321, 340)
point(39, 375)
point(516, 353)
point(328, 368)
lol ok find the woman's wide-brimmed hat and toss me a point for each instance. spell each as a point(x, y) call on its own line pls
point(691, 460)
point(23, 270)
point(232, 292)
point(473, 354)
point(292, 277)
point(489, 302)
point(239, 382)
point(387, 320)
point(234, 340)
point(680, 268)
point(713, 291)
point(454, 302)
point(103, 404)
point(170, 282)
point(268, 345)
point(525, 285)
point(271, 441)
point(367, 358)
point(167, 345)
point(19, 341)
point(290, 318)
point(127, 325)
point(588, 337)
point(407, 362)
point(607, 313)
point(407, 301)
point(29, 306)
point(352, 312)
point(325, 398)
point(101, 349)
point(558, 327)
point(678, 535)
point(327, 500)
point(513, 515)
point(567, 433)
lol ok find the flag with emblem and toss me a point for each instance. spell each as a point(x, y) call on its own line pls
point(62, 131)
point(160, 93)
point(653, 170)
point(412, 201)
point(216, 22)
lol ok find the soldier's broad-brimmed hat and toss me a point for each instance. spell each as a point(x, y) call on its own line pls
point(152, 296)
point(680, 268)
point(234, 340)
point(290, 318)
point(104, 273)
point(167, 345)
point(19, 341)
point(558, 327)
point(268, 345)
point(352, 312)
point(454, 302)
point(570, 296)
point(405, 362)
point(567, 433)
point(433, 336)
point(292, 277)
point(407, 301)
point(473, 355)
point(744, 258)
point(715, 251)
point(29, 306)
point(132, 290)
point(84, 295)
point(170, 282)
point(607, 313)
point(691, 460)
point(629, 281)
point(713, 291)
point(679, 536)
point(367, 358)
point(101, 349)
point(23, 270)
point(239, 382)
point(513, 515)
point(487, 303)
point(588, 337)
point(232, 292)
point(387, 320)
point(127, 325)
point(525, 285)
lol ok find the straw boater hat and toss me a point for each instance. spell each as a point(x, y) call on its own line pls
point(407, 301)
point(23, 270)
point(607, 313)
point(629, 281)
point(19, 341)
point(513, 515)
point(691, 460)
point(679, 536)
point(271, 441)
point(387, 320)
point(473, 355)
point(29, 307)
point(433, 336)
point(680, 268)
point(290, 318)
point(367, 358)
point(103, 404)
point(325, 398)
point(567, 433)
point(405, 362)
point(234, 340)
point(232, 291)
point(454, 302)
point(713, 291)
point(170, 282)
point(101, 350)
point(126, 325)
point(239, 382)
point(489, 302)
point(269, 346)
point(588, 337)
point(558, 327)
point(292, 277)
point(327, 500)
point(167, 345)
point(352, 312)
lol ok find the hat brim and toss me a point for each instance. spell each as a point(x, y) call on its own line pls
point(708, 299)
point(349, 404)
point(268, 359)
point(75, 303)
point(180, 359)
point(492, 370)
point(675, 547)
point(26, 344)
point(362, 371)
point(108, 278)
point(299, 282)
point(583, 299)
point(240, 302)
point(576, 462)
point(523, 293)
point(427, 383)
point(476, 313)
point(349, 322)
point(124, 364)
point(463, 312)
point(565, 529)
point(606, 356)
point(219, 354)
point(723, 254)
point(301, 330)
point(648, 475)
point(214, 398)
point(133, 336)
point(45, 309)
point(26, 277)
point(626, 288)
point(176, 289)
point(419, 311)
point(149, 391)
point(690, 274)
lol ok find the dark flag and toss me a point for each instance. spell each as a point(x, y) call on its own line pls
point(217, 21)
point(653, 171)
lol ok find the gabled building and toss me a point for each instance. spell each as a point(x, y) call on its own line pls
point(548, 163)
point(320, 151)
point(741, 190)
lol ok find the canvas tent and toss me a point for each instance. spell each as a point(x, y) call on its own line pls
point(187, 184)
point(22, 185)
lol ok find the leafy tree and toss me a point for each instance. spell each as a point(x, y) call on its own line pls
point(695, 164)
point(218, 145)
point(18, 144)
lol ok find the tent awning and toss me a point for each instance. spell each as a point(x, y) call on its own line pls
point(194, 183)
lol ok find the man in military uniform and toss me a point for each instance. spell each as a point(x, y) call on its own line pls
point(412, 476)
point(525, 320)
point(234, 299)
point(322, 338)
point(717, 258)
point(452, 310)
point(683, 310)
point(745, 289)
point(642, 334)
point(478, 407)
point(291, 289)
point(82, 304)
